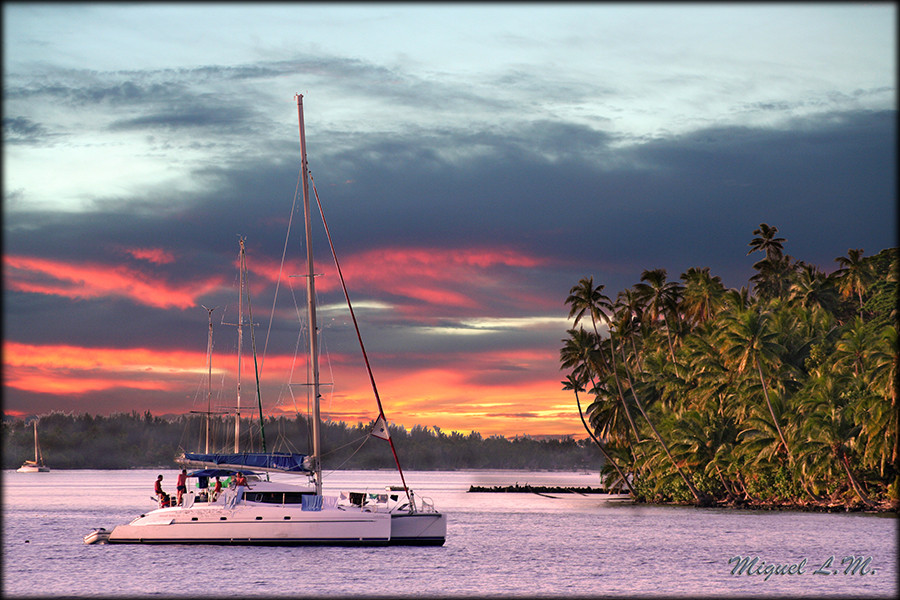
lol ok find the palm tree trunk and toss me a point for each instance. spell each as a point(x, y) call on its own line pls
point(762, 380)
point(637, 357)
point(608, 458)
point(724, 483)
point(842, 457)
point(702, 500)
point(612, 351)
point(671, 347)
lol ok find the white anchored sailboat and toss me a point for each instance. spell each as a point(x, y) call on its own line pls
point(275, 513)
point(36, 465)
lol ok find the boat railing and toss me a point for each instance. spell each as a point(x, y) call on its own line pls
point(427, 505)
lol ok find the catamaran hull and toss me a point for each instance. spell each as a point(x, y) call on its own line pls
point(32, 469)
point(418, 529)
point(253, 527)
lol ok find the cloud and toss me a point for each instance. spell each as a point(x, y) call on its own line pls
point(80, 281)
point(157, 256)
point(22, 130)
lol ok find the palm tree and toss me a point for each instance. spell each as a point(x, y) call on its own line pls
point(774, 277)
point(767, 242)
point(885, 359)
point(701, 499)
point(661, 298)
point(571, 382)
point(581, 353)
point(629, 313)
point(830, 431)
point(702, 295)
point(854, 276)
point(852, 351)
point(738, 299)
point(775, 270)
point(707, 439)
point(748, 340)
point(583, 299)
point(813, 290)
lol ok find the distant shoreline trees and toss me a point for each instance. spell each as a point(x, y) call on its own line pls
point(785, 394)
point(134, 440)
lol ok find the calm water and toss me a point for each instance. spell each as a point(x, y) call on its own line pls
point(497, 545)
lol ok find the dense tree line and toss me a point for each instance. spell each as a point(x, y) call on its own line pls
point(782, 392)
point(130, 440)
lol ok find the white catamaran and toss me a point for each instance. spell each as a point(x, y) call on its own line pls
point(276, 513)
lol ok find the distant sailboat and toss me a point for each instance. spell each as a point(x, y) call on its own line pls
point(258, 512)
point(36, 465)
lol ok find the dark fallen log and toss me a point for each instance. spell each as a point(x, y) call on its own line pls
point(537, 489)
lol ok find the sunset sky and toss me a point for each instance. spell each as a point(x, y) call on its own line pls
point(474, 161)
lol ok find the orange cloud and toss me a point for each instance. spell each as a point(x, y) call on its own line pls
point(65, 370)
point(86, 280)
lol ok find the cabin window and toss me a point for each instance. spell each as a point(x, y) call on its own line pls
point(275, 497)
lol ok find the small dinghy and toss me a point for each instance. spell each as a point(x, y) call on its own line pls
point(97, 536)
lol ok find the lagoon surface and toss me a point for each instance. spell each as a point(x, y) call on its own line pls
point(497, 545)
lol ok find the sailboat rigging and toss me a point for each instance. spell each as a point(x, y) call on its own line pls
point(277, 513)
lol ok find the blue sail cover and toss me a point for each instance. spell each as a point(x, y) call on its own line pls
point(272, 461)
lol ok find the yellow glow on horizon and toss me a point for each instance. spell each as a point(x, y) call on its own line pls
point(507, 395)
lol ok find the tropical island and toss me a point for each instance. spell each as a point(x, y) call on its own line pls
point(778, 394)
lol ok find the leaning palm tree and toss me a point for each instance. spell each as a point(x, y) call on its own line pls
point(585, 298)
point(579, 353)
point(573, 383)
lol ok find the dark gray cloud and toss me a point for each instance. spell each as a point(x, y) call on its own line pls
point(22, 130)
point(553, 190)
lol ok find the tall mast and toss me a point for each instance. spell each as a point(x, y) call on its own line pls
point(36, 452)
point(209, 379)
point(311, 307)
point(240, 332)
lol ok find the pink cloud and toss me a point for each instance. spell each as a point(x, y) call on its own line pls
point(81, 281)
point(154, 255)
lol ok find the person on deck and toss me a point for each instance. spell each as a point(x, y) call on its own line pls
point(240, 484)
point(181, 485)
point(216, 489)
point(160, 494)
